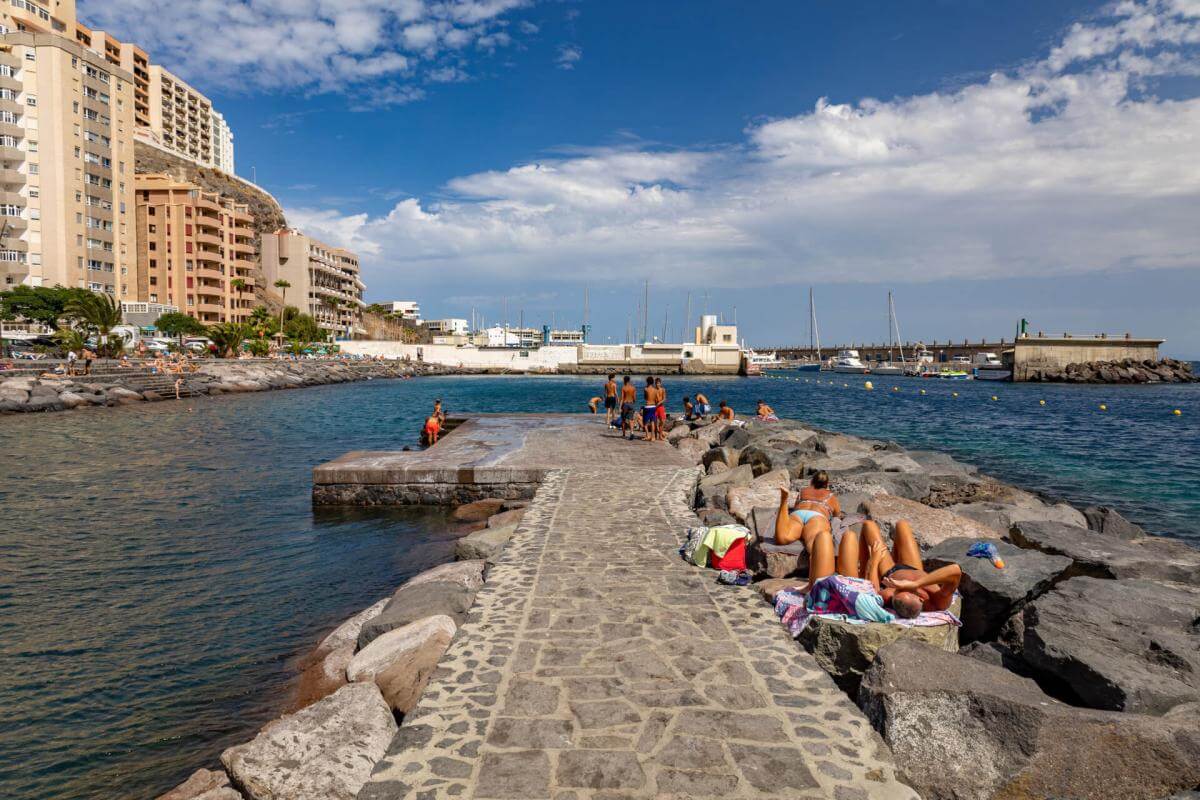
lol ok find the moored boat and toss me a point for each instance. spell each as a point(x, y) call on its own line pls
point(848, 361)
point(988, 367)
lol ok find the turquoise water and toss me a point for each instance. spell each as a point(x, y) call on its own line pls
point(162, 567)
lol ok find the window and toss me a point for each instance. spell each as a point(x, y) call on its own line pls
point(153, 278)
point(31, 100)
point(33, 147)
point(9, 117)
point(33, 169)
point(153, 228)
point(153, 245)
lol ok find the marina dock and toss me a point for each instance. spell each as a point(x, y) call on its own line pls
point(595, 663)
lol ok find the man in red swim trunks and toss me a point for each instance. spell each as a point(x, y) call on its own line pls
point(433, 427)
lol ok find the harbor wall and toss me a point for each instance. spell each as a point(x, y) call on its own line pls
point(1032, 355)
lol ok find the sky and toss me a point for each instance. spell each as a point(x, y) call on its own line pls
point(986, 162)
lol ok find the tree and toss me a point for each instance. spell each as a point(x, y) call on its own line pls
point(303, 328)
point(282, 286)
point(227, 337)
point(176, 324)
point(42, 304)
point(97, 312)
point(259, 347)
point(69, 340)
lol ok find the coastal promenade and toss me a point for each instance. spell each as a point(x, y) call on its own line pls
point(595, 663)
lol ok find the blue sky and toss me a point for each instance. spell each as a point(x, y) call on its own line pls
point(987, 161)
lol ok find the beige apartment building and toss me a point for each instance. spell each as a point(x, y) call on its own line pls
point(167, 112)
point(66, 165)
point(192, 246)
point(325, 281)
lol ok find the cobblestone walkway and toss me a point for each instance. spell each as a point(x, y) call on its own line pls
point(596, 664)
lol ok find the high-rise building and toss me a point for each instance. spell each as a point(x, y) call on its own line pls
point(66, 164)
point(324, 281)
point(195, 250)
point(222, 140)
point(167, 112)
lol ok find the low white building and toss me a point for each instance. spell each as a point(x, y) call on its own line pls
point(447, 327)
point(407, 309)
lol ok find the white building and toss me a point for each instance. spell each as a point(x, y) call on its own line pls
point(447, 327)
point(222, 143)
point(407, 309)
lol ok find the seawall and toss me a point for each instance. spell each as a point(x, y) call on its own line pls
point(111, 385)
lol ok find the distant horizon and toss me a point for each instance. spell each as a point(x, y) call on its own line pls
point(986, 162)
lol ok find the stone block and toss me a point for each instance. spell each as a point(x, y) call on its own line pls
point(412, 603)
point(486, 545)
point(931, 526)
point(1106, 556)
point(478, 511)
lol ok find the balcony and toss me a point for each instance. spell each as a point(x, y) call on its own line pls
point(11, 154)
point(10, 129)
point(10, 178)
point(208, 238)
point(210, 257)
point(12, 226)
point(210, 273)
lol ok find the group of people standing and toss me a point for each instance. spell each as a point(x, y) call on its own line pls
point(621, 408)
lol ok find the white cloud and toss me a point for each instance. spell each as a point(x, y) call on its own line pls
point(321, 45)
point(568, 56)
point(1070, 165)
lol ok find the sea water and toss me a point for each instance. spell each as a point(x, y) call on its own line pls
point(162, 569)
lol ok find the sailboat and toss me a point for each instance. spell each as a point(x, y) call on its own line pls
point(890, 367)
point(814, 339)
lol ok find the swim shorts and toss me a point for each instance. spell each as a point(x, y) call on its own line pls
point(649, 415)
point(662, 413)
point(610, 402)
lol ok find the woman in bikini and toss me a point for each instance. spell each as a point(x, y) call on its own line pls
point(812, 514)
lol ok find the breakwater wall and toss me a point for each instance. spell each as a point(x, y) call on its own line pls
point(1089, 626)
point(1167, 370)
point(111, 385)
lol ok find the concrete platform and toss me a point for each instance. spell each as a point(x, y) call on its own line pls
point(486, 455)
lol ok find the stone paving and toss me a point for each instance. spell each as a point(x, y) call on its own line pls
point(597, 664)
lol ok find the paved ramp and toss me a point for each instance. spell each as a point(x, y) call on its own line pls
point(596, 664)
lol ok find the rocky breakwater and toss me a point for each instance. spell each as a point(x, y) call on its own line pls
point(359, 682)
point(114, 386)
point(1167, 370)
point(1079, 669)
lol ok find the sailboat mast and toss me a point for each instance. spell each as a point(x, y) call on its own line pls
point(812, 313)
point(896, 326)
point(890, 319)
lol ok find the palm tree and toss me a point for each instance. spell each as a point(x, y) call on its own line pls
point(227, 336)
point(282, 286)
point(97, 312)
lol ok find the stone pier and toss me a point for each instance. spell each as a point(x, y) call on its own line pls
point(595, 663)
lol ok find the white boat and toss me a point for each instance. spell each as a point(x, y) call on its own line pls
point(814, 339)
point(763, 359)
point(848, 361)
point(891, 367)
point(988, 367)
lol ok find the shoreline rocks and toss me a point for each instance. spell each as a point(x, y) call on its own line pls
point(1166, 370)
point(117, 387)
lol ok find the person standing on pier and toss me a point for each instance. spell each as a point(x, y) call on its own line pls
point(661, 423)
point(649, 409)
point(628, 399)
point(610, 399)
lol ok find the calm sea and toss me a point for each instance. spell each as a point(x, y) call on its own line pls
point(162, 569)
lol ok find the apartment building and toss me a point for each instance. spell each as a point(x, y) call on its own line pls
point(324, 281)
point(66, 164)
point(166, 111)
point(222, 142)
point(195, 250)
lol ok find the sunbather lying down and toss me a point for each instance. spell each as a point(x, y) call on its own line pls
point(899, 576)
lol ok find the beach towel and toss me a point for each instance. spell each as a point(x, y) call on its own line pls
point(718, 539)
point(851, 600)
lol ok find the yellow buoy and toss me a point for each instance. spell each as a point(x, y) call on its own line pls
point(954, 394)
point(1041, 402)
point(995, 398)
point(1177, 412)
point(1103, 407)
point(868, 386)
point(922, 391)
point(895, 388)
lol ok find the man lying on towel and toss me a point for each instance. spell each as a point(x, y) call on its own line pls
point(898, 577)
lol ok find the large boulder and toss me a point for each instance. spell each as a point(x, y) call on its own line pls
point(1109, 521)
point(327, 750)
point(324, 677)
point(725, 455)
point(842, 464)
point(845, 650)
point(835, 444)
point(465, 572)
point(712, 488)
point(990, 595)
point(937, 463)
point(909, 485)
point(347, 633)
point(1002, 516)
point(511, 517)
point(203, 784)
point(930, 525)
point(764, 459)
point(486, 545)
point(762, 491)
point(412, 603)
point(123, 396)
point(693, 450)
point(886, 461)
point(400, 662)
point(478, 511)
point(961, 729)
point(710, 434)
point(1120, 645)
point(1106, 556)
